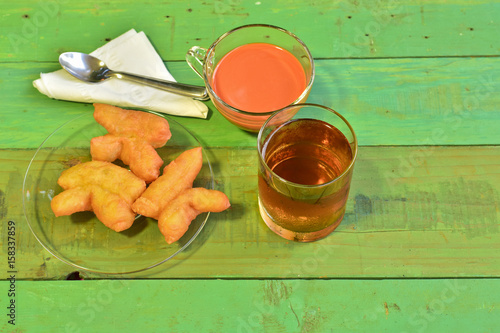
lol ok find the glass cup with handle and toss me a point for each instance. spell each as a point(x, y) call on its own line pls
point(235, 48)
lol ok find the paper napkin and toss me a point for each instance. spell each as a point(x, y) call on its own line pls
point(131, 52)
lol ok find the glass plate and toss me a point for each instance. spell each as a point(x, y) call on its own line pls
point(81, 240)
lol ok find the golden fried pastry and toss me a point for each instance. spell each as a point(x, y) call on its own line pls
point(175, 219)
point(147, 126)
point(102, 187)
point(140, 156)
point(177, 176)
point(133, 137)
point(172, 200)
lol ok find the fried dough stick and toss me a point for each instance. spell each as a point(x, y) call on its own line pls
point(133, 137)
point(177, 176)
point(172, 200)
point(147, 126)
point(175, 219)
point(102, 187)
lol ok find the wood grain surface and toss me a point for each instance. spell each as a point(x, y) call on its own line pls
point(40, 31)
point(460, 305)
point(432, 101)
point(412, 212)
point(418, 249)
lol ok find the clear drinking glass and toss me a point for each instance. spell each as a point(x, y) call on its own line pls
point(306, 160)
point(204, 61)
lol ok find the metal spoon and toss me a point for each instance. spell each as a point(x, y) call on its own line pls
point(90, 69)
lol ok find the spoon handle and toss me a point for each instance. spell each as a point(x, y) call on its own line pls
point(188, 90)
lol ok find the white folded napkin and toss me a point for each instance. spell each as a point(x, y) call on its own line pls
point(131, 52)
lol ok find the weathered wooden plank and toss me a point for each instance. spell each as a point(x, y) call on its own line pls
point(412, 212)
point(419, 212)
point(34, 30)
point(388, 101)
point(461, 305)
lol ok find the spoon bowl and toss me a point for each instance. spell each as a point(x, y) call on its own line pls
point(91, 69)
point(84, 67)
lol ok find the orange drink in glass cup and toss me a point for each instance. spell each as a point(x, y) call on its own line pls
point(252, 71)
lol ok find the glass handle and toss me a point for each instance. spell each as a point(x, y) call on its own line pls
point(195, 58)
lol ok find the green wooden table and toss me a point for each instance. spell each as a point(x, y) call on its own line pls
point(419, 247)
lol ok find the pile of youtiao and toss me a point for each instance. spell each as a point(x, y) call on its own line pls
point(116, 195)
